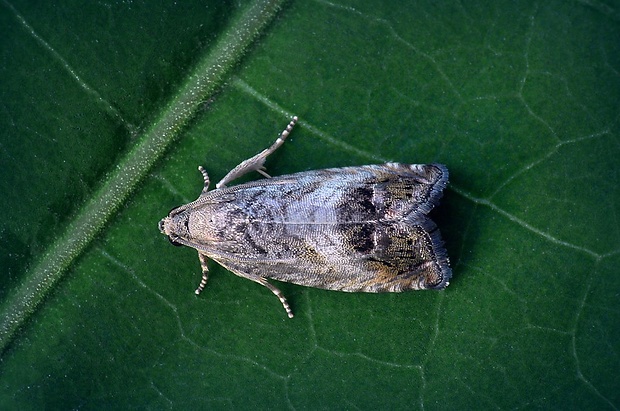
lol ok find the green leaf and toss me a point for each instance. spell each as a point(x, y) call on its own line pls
point(107, 109)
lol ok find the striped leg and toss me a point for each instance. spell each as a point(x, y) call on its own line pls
point(205, 177)
point(205, 273)
point(277, 293)
point(257, 162)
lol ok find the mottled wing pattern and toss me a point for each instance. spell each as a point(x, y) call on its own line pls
point(350, 229)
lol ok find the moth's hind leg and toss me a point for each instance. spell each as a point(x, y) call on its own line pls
point(205, 273)
point(263, 281)
point(257, 162)
point(277, 293)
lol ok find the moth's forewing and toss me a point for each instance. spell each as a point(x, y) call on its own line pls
point(350, 229)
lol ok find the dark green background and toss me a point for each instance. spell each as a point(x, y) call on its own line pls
point(521, 100)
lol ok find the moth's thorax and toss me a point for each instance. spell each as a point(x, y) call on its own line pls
point(210, 223)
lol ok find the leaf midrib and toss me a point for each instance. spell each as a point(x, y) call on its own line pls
point(202, 82)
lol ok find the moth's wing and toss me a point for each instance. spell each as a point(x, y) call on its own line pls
point(410, 189)
point(387, 191)
point(367, 258)
point(406, 256)
point(350, 229)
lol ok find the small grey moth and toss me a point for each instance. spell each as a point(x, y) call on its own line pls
point(356, 229)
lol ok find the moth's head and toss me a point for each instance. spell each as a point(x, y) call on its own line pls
point(197, 225)
point(175, 226)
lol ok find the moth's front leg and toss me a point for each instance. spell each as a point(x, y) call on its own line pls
point(205, 272)
point(257, 162)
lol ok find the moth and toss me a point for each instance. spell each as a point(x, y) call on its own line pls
point(355, 229)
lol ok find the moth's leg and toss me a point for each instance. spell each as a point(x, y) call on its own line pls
point(277, 293)
point(262, 281)
point(205, 177)
point(205, 272)
point(257, 162)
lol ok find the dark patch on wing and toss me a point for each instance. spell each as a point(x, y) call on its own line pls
point(358, 205)
point(360, 237)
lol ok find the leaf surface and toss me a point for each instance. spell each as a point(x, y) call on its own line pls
point(518, 99)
